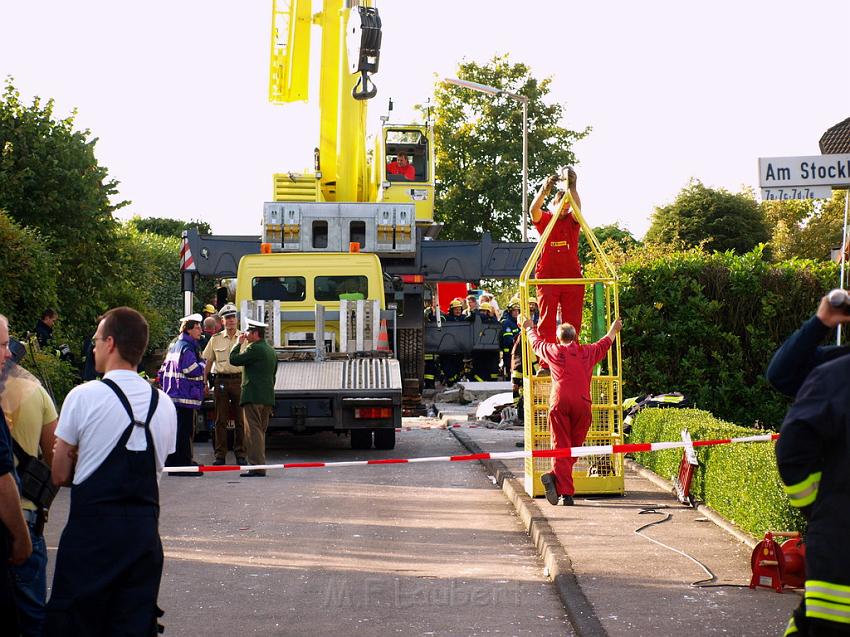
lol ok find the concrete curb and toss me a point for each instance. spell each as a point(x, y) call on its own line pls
point(579, 609)
point(742, 536)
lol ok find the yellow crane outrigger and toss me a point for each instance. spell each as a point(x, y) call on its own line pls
point(592, 474)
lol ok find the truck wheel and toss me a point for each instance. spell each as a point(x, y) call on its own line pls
point(411, 353)
point(385, 438)
point(361, 438)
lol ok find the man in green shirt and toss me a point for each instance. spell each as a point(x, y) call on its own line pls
point(259, 363)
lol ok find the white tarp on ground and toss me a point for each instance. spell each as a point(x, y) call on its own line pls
point(489, 406)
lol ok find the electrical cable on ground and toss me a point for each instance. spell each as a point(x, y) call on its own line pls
point(706, 582)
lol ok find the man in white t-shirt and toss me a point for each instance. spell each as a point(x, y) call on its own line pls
point(109, 563)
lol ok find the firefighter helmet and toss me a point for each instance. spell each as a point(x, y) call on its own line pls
point(485, 307)
point(457, 302)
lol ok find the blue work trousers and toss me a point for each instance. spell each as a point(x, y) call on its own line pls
point(30, 584)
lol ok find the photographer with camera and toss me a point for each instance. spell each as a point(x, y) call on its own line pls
point(813, 459)
point(802, 352)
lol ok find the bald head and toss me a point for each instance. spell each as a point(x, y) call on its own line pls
point(566, 333)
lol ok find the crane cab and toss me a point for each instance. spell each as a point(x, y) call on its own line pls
point(403, 168)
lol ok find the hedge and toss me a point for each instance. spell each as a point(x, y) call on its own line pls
point(739, 481)
point(707, 325)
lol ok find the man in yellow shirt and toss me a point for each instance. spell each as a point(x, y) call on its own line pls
point(32, 418)
point(228, 387)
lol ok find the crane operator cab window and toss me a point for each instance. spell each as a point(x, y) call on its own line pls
point(407, 155)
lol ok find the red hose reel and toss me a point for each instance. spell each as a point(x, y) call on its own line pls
point(776, 565)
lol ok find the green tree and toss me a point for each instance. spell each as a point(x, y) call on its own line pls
point(805, 229)
point(715, 219)
point(50, 181)
point(166, 227)
point(148, 265)
point(479, 149)
point(609, 235)
point(28, 284)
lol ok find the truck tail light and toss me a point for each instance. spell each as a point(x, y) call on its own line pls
point(413, 278)
point(373, 413)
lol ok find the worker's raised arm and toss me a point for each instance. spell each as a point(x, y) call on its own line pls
point(615, 328)
point(537, 205)
point(572, 180)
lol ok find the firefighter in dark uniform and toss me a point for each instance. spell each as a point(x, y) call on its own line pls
point(813, 458)
point(485, 363)
point(452, 364)
point(510, 332)
point(432, 367)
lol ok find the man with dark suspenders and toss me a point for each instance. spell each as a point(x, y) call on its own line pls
point(112, 440)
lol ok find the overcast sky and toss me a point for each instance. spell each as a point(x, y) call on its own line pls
point(176, 91)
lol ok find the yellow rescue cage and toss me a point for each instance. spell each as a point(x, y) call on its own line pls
point(595, 474)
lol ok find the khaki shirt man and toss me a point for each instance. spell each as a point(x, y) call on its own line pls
point(227, 389)
point(32, 417)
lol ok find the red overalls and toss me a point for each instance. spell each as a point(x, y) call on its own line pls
point(569, 398)
point(559, 260)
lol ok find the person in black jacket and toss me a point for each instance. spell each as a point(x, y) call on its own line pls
point(485, 363)
point(510, 333)
point(802, 352)
point(44, 326)
point(452, 364)
point(813, 458)
point(432, 366)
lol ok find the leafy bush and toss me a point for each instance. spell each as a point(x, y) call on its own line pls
point(739, 481)
point(50, 180)
point(708, 324)
point(149, 266)
point(716, 219)
point(57, 376)
point(28, 284)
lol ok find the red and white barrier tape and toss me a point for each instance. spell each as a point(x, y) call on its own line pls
point(574, 452)
point(451, 426)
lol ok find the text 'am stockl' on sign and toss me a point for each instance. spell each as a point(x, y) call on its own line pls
point(817, 170)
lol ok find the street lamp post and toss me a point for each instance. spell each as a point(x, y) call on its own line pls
point(492, 90)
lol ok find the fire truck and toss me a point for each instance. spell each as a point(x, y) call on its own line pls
point(351, 204)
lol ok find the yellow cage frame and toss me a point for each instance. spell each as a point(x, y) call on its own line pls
point(598, 474)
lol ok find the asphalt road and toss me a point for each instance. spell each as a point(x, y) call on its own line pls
point(414, 549)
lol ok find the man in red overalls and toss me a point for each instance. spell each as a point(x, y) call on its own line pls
point(558, 260)
point(571, 366)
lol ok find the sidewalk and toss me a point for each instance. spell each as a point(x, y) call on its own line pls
point(615, 582)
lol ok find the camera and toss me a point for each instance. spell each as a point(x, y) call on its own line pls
point(840, 300)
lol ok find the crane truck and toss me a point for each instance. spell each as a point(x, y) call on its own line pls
point(350, 244)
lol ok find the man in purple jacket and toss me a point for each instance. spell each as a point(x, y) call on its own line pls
point(182, 378)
